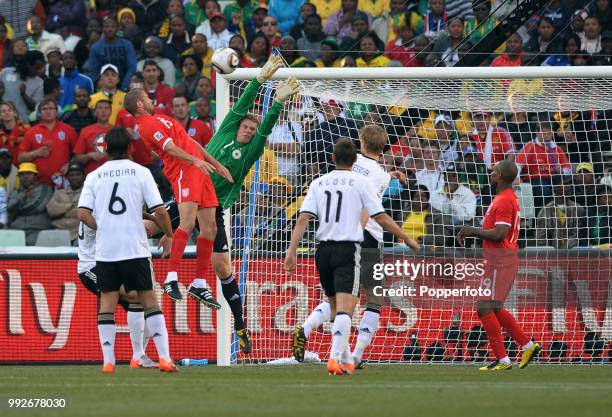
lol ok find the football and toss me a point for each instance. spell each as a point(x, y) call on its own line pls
point(225, 60)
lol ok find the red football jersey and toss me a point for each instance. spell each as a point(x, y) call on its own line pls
point(504, 209)
point(141, 154)
point(92, 139)
point(198, 131)
point(157, 131)
point(501, 145)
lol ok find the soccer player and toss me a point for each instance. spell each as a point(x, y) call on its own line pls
point(111, 204)
point(238, 143)
point(373, 140)
point(337, 200)
point(187, 166)
point(129, 301)
point(500, 231)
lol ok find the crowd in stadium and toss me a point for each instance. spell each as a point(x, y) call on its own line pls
point(66, 66)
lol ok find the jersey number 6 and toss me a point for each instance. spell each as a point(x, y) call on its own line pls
point(115, 199)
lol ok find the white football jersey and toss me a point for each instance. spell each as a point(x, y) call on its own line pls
point(379, 178)
point(86, 249)
point(116, 193)
point(337, 199)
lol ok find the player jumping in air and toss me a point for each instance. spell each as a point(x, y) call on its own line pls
point(237, 144)
point(337, 200)
point(187, 166)
point(500, 233)
point(111, 204)
point(373, 140)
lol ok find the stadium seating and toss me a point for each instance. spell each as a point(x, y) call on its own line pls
point(53, 238)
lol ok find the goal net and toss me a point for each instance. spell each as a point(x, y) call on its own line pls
point(447, 127)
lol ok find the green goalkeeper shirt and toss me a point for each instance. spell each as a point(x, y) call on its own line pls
point(236, 157)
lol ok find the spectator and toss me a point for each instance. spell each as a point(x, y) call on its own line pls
point(514, 53)
point(51, 89)
point(340, 24)
point(27, 205)
point(455, 201)
point(175, 8)
point(270, 29)
point(433, 22)
point(199, 47)
point(8, 172)
point(519, 127)
point(473, 173)
point(24, 85)
point(191, 67)
point(544, 42)
point(70, 40)
point(601, 222)
point(69, 13)
point(12, 130)
point(396, 20)
point(19, 49)
point(72, 80)
point(258, 50)
point(54, 68)
point(196, 129)
point(306, 10)
point(433, 59)
point(80, 115)
point(558, 14)
point(152, 51)
point(210, 7)
point(48, 145)
point(309, 41)
point(605, 56)
point(202, 112)
point(478, 27)
point(447, 43)
point(62, 208)
point(285, 12)
point(423, 223)
point(90, 148)
point(160, 94)
point(217, 35)
point(285, 141)
point(402, 48)
point(196, 11)
point(493, 143)
point(375, 8)
point(460, 8)
point(18, 12)
point(125, 18)
point(204, 89)
point(178, 41)
point(448, 140)
point(111, 49)
point(103, 9)
point(238, 45)
point(40, 39)
point(109, 80)
point(93, 33)
point(360, 26)
point(289, 52)
point(329, 53)
point(561, 222)
point(585, 188)
point(571, 49)
point(591, 40)
point(5, 47)
point(243, 7)
point(254, 25)
point(540, 160)
point(325, 8)
point(426, 161)
point(602, 11)
point(148, 14)
point(577, 23)
point(371, 52)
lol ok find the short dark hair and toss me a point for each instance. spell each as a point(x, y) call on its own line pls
point(197, 59)
point(345, 152)
point(47, 100)
point(118, 141)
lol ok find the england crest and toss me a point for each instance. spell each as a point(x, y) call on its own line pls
point(38, 137)
point(61, 135)
point(191, 131)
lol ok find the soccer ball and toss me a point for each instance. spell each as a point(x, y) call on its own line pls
point(225, 60)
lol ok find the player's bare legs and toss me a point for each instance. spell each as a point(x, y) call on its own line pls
point(199, 289)
point(156, 326)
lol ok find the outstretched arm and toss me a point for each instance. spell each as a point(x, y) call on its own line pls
point(220, 169)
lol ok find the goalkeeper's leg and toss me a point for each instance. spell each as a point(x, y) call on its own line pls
point(319, 315)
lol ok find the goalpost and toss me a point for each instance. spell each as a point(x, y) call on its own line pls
point(438, 120)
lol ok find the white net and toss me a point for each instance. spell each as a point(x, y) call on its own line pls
point(444, 136)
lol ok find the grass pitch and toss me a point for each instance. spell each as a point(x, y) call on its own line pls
point(377, 391)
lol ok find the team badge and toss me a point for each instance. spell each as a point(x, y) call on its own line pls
point(38, 137)
point(158, 136)
point(185, 192)
point(61, 135)
point(191, 131)
point(236, 154)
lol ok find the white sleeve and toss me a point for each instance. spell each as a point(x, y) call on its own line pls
point(150, 192)
point(370, 199)
point(87, 199)
point(309, 205)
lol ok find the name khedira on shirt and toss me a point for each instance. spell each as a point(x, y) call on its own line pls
point(115, 173)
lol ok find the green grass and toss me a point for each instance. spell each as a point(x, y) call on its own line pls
point(377, 391)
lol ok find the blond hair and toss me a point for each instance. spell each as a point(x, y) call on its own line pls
point(374, 138)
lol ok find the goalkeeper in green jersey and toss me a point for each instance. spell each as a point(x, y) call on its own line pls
point(237, 145)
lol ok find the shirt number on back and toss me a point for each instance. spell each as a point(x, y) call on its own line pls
point(116, 200)
point(328, 205)
point(166, 122)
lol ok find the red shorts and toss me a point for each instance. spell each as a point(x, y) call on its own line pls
point(499, 278)
point(191, 184)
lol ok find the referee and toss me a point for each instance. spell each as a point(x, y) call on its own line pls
point(337, 200)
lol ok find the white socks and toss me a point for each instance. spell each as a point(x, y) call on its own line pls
point(341, 330)
point(199, 283)
point(505, 360)
point(156, 326)
point(319, 315)
point(172, 276)
point(136, 323)
point(367, 329)
point(106, 333)
point(528, 345)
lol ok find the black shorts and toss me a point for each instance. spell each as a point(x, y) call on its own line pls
point(133, 274)
point(89, 280)
point(175, 218)
point(371, 254)
point(339, 267)
point(220, 244)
